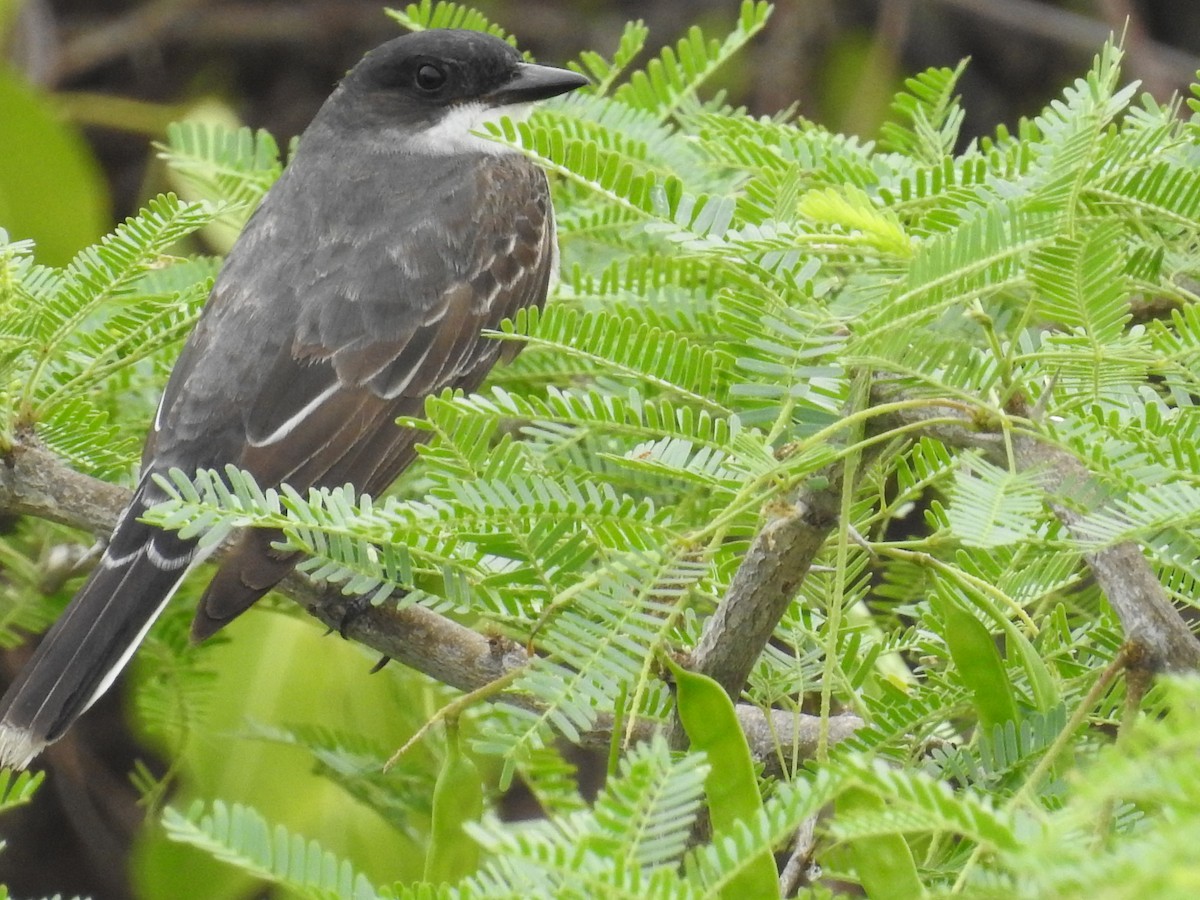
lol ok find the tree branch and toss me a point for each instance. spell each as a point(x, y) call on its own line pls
point(784, 550)
point(35, 482)
point(1154, 628)
point(765, 583)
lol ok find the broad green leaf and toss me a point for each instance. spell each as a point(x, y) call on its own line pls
point(51, 188)
point(712, 727)
point(457, 799)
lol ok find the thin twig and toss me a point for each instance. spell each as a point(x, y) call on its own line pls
point(795, 873)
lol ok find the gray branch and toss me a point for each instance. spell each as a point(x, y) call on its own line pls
point(764, 584)
point(1159, 636)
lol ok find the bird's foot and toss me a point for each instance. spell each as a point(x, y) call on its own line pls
point(355, 609)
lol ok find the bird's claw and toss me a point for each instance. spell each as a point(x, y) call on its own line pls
point(355, 608)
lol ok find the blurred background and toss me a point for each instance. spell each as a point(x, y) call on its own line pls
point(90, 83)
point(87, 86)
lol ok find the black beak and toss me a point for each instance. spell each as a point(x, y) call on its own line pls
point(535, 83)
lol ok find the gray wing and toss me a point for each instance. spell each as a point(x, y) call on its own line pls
point(352, 333)
point(360, 329)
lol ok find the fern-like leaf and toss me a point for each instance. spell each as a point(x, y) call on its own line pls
point(669, 80)
point(931, 114)
point(645, 814)
point(603, 72)
point(428, 14)
point(990, 506)
point(1080, 283)
point(18, 788)
point(236, 166)
point(238, 835)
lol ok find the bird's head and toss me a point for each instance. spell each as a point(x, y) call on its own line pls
point(437, 87)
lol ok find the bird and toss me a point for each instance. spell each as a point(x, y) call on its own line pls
point(363, 283)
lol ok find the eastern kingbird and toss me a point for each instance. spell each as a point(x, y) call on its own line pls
point(360, 286)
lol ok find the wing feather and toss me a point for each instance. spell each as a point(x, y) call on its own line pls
point(325, 402)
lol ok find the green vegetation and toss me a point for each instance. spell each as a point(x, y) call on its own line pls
point(751, 310)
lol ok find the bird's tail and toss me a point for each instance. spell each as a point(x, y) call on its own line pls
point(82, 654)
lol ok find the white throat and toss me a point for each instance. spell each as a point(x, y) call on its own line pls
point(456, 132)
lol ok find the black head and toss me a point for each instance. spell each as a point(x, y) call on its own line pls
point(422, 73)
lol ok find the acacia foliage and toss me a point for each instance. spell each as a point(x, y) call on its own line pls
point(731, 288)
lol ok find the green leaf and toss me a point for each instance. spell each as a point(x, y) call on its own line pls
point(241, 837)
point(674, 76)
point(623, 849)
point(851, 209)
point(51, 188)
point(18, 788)
point(444, 14)
point(712, 727)
point(883, 862)
point(102, 276)
point(605, 72)
point(1081, 284)
point(647, 811)
point(457, 799)
point(977, 660)
point(231, 166)
point(930, 113)
point(991, 507)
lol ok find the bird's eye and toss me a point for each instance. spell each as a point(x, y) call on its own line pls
point(430, 77)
